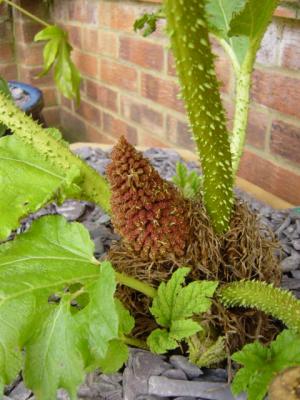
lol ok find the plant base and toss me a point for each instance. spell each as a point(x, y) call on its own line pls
point(246, 251)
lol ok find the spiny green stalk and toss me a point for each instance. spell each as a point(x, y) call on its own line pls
point(279, 303)
point(94, 187)
point(187, 27)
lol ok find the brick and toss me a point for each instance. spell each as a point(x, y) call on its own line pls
point(26, 31)
point(89, 112)
point(285, 12)
point(223, 71)
point(141, 114)
point(95, 135)
point(6, 53)
point(171, 64)
point(229, 112)
point(178, 132)
point(31, 56)
point(143, 53)
point(66, 103)
point(73, 127)
point(84, 11)
point(8, 71)
point(106, 97)
point(59, 11)
point(290, 46)
point(39, 9)
point(107, 43)
point(148, 140)
point(86, 63)
point(161, 91)
point(51, 116)
point(117, 128)
point(258, 123)
point(277, 91)
point(90, 40)
point(74, 33)
point(119, 16)
point(5, 30)
point(119, 75)
point(271, 177)
point(267, 54)
point(31, 75)
point(50, 96)
point(285, 140)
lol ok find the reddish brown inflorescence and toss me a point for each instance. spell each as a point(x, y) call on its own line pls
point(148, 212)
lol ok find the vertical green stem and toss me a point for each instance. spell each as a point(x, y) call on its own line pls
point(187, 28)
point(242, 100)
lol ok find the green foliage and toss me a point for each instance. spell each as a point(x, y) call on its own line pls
point(173, 308)
point(30, 181)
point(219, 15)
point(279, 303)
point(190, 183)
point(147, 23)
point(61, 341)
point(252, 22)
point(205, 352)
point(262, 363)
point(187, 28)
point(44, 152)
point(4, 89)
point(57, 54)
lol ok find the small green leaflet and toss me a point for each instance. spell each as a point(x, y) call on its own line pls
point(5, 89)
point(57, 53)
point(147, 23)
point(252, 21)
point(30, 181)
point(261, 364)
point(173, 308)
point(190, 183)
point(59, 343)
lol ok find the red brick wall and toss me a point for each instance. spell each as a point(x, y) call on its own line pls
point(8, 67)
point(130, 87)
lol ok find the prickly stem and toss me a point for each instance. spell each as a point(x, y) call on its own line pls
point(187, 28)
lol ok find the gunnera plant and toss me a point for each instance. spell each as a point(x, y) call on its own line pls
point(216, 234)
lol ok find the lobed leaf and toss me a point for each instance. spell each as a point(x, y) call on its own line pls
point(60, 341)
point(174, 305)
point(57, 53)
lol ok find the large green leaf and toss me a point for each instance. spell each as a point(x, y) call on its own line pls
point(52, 256)
point(28, 181)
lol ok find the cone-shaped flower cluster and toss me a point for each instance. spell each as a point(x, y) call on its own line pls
point(148, 212)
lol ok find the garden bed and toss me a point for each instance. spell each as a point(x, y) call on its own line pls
point(147, 376)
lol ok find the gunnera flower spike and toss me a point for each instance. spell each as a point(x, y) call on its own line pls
point(147, 211)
